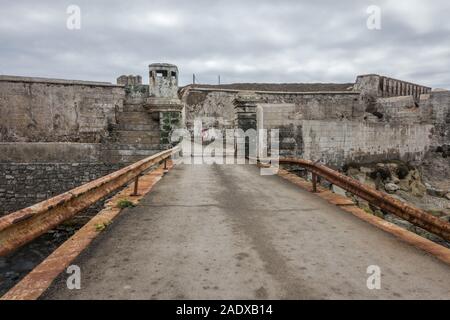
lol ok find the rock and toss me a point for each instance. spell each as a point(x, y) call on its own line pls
point(363, 204)
point(395, 180)
point(392, 167)
point(404, 185)
point(447, 196)
point(338, 190)
point(391, 187)
point(12, 275)
point(398, 221)
point(378, 213)
point(415, 174)
point(365, 170)
point(353, 172)
point(434, 192)
point(418, 189)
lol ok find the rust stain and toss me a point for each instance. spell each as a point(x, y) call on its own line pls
point(40, 278)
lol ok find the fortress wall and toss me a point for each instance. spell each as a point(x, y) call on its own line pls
point(381, 86)
point(337, 142)
point(215, 107)
point(438, 107)
point(401, 110)
point(32, 172)
point(36, 116)
point(53, 110)
point(24, 184)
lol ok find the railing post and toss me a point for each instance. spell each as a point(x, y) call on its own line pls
point(314, 182)
point(136, 184)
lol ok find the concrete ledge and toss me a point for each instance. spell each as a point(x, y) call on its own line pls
point(49, 152)
point(278, 92)
point(6, 78)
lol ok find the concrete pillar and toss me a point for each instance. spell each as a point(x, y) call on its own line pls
point(245, 115)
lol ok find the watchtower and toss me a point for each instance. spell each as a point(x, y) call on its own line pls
point(163, 80)
point(163, 102)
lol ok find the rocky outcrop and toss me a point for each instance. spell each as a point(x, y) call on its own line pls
point(406, 183)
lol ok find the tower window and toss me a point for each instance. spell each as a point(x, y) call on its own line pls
point(173, 75)
point(161, 73)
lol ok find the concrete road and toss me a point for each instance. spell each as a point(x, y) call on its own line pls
point(214, 232)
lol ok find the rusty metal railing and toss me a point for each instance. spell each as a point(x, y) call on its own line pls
point(377, 198)
point(21, 227)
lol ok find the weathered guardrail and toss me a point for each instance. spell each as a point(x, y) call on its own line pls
point(21, 227)
point(377, 198)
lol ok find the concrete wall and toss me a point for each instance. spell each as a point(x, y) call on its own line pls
point(381, 86)
point(52, 110)
point(50, 134)
point(50, 152)
point(216, 109)
point(437, 106)
point(340, 141)
point(57, 134)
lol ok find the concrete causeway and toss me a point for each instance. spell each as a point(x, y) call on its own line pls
point(226, 232)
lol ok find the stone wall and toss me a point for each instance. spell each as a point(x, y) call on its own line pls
point(437, 105)
point(58, 134)
point(24, 184)
point(51, 110)
point(215, 107)
point(49, 136)
point(32, 172)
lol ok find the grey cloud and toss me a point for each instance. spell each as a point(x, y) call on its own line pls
point(243, 41)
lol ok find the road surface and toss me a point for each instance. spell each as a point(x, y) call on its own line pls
point(226, 232)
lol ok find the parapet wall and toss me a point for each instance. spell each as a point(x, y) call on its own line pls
point(24, 184)
point(57, 134)
point(50, 134)
point(34, 171)
point(54, 110)
point(337, 142)
point(381, 86)
point(215, 107)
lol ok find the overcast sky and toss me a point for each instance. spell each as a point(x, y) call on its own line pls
point(243, 41)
